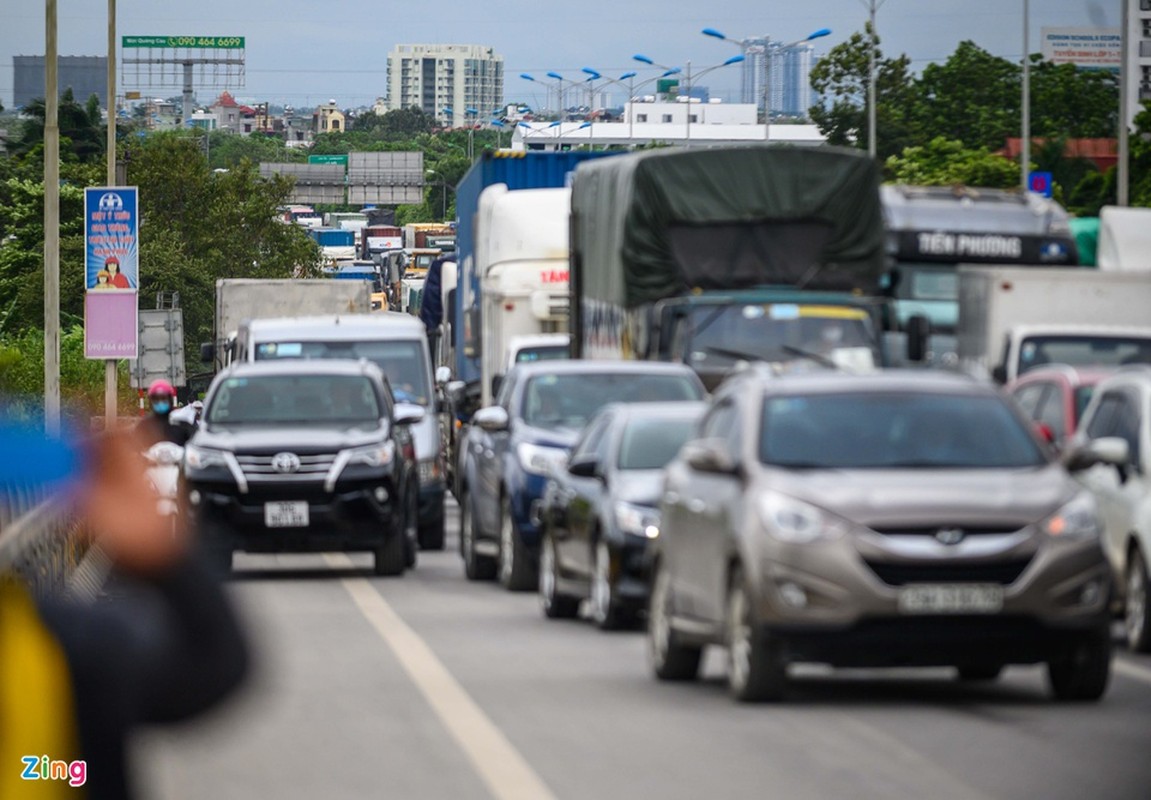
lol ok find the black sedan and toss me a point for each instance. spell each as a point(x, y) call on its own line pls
point(599, 512)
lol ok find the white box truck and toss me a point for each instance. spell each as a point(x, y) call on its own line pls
point(1014, 318)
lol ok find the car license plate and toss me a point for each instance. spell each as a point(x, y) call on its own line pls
point(951, 599)
point(286, 514)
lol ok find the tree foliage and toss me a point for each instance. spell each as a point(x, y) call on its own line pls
point(82, 132)
point(943, 162)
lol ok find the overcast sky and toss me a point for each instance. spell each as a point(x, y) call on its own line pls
point(305, 52)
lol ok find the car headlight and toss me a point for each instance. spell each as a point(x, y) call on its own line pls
point(790, 520)
point(429, 470)
point(540, 460)
point(637, 520)
point(376, 455)
point(203, 458)
point(1079, 519)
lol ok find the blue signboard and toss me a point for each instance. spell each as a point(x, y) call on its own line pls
point(1041, 183)
point(111, 238)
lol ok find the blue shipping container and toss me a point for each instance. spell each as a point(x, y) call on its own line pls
point(333, 237)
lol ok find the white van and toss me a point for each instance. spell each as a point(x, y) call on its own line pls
point(398, 344)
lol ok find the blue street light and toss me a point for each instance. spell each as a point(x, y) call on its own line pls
point(688, 78)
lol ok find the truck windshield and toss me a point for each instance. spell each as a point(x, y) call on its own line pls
point(1083, 350)
point(401, 360)
point(877, 430)
point(568, 401)
point(549, 352)
point(313, 399)
point(722, 335)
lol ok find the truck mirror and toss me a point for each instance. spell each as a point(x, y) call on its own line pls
point(207, 352)
point(918, 331)
point(999, 373)
point(497, 382)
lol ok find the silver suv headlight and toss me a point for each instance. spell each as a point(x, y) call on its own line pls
point(1078, 519)
point(637, 520)
point(540, 460)
point(376, 455)
point(790, 520)
point(204, 458)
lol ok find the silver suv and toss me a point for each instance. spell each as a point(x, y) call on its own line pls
point(892, 519)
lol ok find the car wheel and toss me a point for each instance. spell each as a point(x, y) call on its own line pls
point(412, 529)
point(515, 568)
point(1135, 615)
point(476, 567)
point(391, 557)
point(432, 535)
point(605, 606)
point(555, 605)
point(1082, 672)
point(756, 671)
point(981, 673)
point(670, 660)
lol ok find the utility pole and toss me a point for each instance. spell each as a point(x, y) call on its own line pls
point(110, 364)
point(1025, 145)
point(873, 6)
point(1123, 173)
point(51, 225)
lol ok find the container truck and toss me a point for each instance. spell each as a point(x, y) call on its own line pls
point(719, 256)
point(1014, 318)
point(242, 299)
point(378, 239)
point(429, 235)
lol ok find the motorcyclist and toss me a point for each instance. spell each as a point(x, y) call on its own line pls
point(161, 400)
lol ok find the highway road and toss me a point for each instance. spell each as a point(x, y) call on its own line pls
point(429, 686)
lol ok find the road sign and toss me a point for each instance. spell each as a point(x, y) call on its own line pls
point(1041, 183)
point(338, 158)
point(161, 353)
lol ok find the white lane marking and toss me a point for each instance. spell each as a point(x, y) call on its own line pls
point(505, 771)
point(1129, 670)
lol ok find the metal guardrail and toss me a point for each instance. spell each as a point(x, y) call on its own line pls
point(42, 544)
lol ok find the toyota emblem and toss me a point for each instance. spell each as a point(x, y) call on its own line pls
point(285, 463)
point(949, 535)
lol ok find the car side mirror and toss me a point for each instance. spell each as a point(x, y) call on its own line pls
point(918, 332)
point(492, 419)
point(443, 375)
point(408, 414)
point(999, 373)
point(1105, 450)
point(584, 468)
point(710, 455)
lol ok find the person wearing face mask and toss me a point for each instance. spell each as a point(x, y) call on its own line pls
point(161, 399)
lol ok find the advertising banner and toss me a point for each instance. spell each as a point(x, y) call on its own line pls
point(1088, 48)
point(111, 240)
point(111, 325)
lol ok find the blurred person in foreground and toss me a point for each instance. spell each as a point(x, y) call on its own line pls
point(76, 678)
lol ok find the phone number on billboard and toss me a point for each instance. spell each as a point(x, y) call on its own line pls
point(227, 42)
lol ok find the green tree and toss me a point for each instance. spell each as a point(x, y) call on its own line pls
point(402, 122)
point(1071, 103)
point(943, 162)
point(80, 126)
point(972, 98)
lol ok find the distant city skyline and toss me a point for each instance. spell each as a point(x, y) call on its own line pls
point(303, 53)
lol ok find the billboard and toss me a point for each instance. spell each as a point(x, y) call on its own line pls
point(1088, 48)
point(111, 242)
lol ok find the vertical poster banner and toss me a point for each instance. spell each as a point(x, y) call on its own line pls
point(111, 272)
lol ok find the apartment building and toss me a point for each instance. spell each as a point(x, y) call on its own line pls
point(446, 80)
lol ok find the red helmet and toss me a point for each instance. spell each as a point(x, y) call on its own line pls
point(161, 388)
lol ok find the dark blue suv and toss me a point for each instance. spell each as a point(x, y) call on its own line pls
point(512, 446)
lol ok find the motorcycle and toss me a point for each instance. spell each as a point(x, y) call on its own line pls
point(163, 471)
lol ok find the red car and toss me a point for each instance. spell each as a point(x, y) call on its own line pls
point(1055, 396)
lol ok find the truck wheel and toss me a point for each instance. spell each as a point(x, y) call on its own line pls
point(555, 605)
point(516, 572)
point(476, 567)
point(756, 671)
point(1081, 673)
point(670, 660)
point(432, 534)
point(1135, 613)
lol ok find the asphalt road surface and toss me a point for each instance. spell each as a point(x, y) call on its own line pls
point(428, 686)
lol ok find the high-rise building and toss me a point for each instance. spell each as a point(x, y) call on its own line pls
point(1138, 66)
point(85, 75)
point(790, 76)
point(435, 77)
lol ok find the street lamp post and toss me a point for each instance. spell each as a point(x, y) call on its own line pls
point(744, 45)
point(499, 126)
point(689, 79)
point(471, 113)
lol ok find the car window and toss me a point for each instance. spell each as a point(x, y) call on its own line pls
point(1128, 422)
point(652, 443)
point(318, 399)
point(591, 440)
point(722, 422)
point(1028, 398)
point(1103, 420)
point(894, 430)
point(403, 361)
point(569, 400)
point(1050, 411)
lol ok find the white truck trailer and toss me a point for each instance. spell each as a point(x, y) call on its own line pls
point(1014, 318)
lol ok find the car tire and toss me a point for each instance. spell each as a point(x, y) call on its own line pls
point(1082, 672)
point(516, 572)
point(606, 611)
point(983, 673)
point(391, 557)
point(756, 670)
point(1135, 610)
point(555, 604)
point(476, 567)
point(221, 560)
point(432, 535)
point(670, 659)
point(412, 529)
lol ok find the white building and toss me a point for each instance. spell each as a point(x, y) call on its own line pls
point(711, 123)
point(435, 77)
point(1138, 66)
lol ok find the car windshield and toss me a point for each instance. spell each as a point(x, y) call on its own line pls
point(313, 399)
point(722, 335)
point(651, 443)
point(401, 360)
point(570, 400)
point(853, 430)
point(543, 352)
point(1083, 351)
